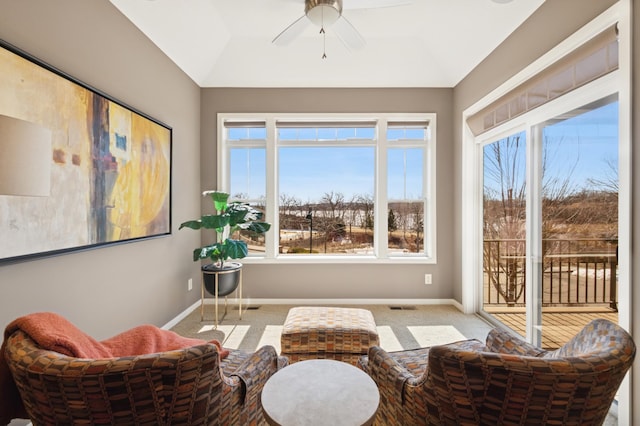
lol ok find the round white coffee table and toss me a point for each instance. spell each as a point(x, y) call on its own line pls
point(320, 392)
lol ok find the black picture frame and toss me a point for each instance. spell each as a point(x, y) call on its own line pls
point(111, 165)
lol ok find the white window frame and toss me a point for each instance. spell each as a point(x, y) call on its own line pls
point(618, 81)
point(381, 254)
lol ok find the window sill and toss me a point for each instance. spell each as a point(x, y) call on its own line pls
point(361, 260)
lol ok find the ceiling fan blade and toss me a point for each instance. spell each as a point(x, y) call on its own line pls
point(291, 32)
point(348, 34)
point(372, 4)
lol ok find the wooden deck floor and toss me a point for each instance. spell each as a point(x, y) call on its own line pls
point(557, 327)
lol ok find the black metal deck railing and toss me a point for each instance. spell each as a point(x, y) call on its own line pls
point(578, 272)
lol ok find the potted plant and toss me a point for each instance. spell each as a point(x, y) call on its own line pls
point(229, 219)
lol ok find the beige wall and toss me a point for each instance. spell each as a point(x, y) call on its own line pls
point(94, 43)
point(110, 289)
point(553, 22)
point(107, 290)
point(340, 281)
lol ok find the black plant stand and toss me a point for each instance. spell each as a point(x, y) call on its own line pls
point(216, 275)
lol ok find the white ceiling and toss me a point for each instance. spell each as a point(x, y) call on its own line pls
point(228, 43)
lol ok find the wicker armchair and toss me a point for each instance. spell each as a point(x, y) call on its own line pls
point(503, 382)
point(182, 387)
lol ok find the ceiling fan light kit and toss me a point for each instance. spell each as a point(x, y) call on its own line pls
point(323, 12)
point(328, 13)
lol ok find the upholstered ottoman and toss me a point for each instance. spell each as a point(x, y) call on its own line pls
point(343, 334)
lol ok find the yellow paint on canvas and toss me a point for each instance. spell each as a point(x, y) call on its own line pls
point(139, 195)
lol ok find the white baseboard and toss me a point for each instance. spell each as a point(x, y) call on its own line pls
point(182, 315)
point(249, 301)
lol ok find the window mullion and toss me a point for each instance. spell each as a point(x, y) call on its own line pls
point(429, 227)
point(381, 212)
point(272, 202)
point(223, 153)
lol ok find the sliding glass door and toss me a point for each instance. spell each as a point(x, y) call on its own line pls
point(550, 223)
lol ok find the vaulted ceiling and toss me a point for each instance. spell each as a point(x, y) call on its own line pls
point(423, 43)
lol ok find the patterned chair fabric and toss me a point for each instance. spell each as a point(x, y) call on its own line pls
point(183, 387)
point(505, 381)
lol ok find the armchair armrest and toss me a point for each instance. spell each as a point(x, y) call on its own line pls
point(402, 381)
point(256, 370)
point(504, 342)
point(388, 373)
point(455, 383)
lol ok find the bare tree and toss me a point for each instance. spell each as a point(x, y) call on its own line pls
point(352, 214)
point(335, 205)
point(290, 207)
point(240, 196)
point(366, 207)
point(392, 222)
point(505, 209)
point(417, 223)
point(609, 182)
point(333, 212)
point(504, 216)
point(402, 220)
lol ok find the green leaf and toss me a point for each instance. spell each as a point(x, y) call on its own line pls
point(241, 213)
point(237, 214)
point(215, 221)
point(193, 224)
point(212, 251)
point(257, 227)
point(200, 253)
point(219, 200)
point(235, 249)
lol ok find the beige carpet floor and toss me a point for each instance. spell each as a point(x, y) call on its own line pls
point(399, 327)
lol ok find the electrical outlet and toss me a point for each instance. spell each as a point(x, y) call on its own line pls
point(190, 284)
point(427, 279)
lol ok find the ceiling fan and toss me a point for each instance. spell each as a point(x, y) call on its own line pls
point(328, 13)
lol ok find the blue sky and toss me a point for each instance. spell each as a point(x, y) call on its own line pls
point(308, 172)
point(578, 148)
point(588, 141)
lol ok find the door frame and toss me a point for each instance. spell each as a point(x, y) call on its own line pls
point(471, 173)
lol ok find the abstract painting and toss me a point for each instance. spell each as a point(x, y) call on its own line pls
point(110, 170)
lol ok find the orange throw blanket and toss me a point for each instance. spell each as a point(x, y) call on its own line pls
point(53, 332)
